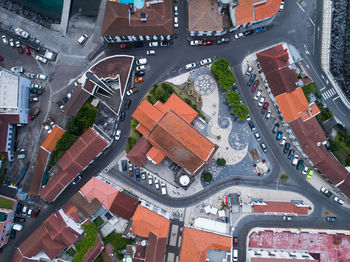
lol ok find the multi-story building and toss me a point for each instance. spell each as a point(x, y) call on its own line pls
point(14, 100)
point(7, 212)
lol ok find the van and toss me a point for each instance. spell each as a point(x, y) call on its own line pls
point(141, 61)
point(17, 227)
point(235, 255)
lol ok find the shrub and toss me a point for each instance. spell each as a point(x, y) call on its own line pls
point(91, 230)
point(207, 177)
point(221, 162)
point(284, 177)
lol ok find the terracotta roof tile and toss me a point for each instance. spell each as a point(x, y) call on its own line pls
point(147, 115)
point(156, 248)
point(40, 165)
point(267, 9)
point(144, 221)
point(196, 243)
point(280, 207)
point(294, 105)
point(78, 98)
point(85, 207)
point(77, 157)
point(124, 205)
point(203, 15)
point(244, 13)
point(159, 20)
point(93, 252)
point(156, 155)
point(95, 188)
point(51, 140)
point(181, 108)
point(137, 154)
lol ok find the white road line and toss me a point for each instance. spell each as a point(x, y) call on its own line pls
point(335, 98)
point(322, 88)
point(312, 22)
point(322, 76)
point(308, 67)
point(302, 9)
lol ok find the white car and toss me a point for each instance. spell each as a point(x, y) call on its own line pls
point(35, 86)
point(150, 179)
point(338, 200)
point(248, 118)
point(17, 69)
point(41, 59)
point(153, 44)
point(257, 136)
point(176, 22)
point(47, 128)
point(18, 44)
point(283, 141)
point(156, 183)
point(205, 61)
point(249, 70)
point(69, 95)
point(151, 52)
point(117, 135)
point(12, 43)
point(304, 172)
point(41, 76)
point(195, 42)
point(295, 160)
point(176, 11)
point(268, 114)
point(140, 68)
point(281, 6)
point(287, 218)
point(261, 101)
point(238, 35)
point(190, 66)
point(257, 95)
point(4, 40)
point(82, 39)
point(129, 92)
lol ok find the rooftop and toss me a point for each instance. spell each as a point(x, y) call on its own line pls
point(124, 205)
point(159, 20)
point(144, 221)
point(203, 15)
point(5, 121)
point(6, 203)
point(9, 84)
point(40, 166)
point(156, 248)
point(281, 207)
point(138, 152)
point(196, 243)
point(51, 140)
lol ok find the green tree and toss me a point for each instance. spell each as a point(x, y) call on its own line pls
point(207, 177)
point(66, 141)
point(161, 94)
point(233, 98)
point(221, 70)
point(241, 111)
point(86, 116)
point(221, 162)
point(74, 126)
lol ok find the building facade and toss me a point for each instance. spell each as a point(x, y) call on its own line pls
point(7, 213)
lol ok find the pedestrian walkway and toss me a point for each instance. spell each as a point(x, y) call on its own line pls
point(329, 93)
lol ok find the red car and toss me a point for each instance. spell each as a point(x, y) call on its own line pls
point(253, 89)
point(1, 58)
point(207, 42)
point(36, 212)
point(122, 46)
point(256, 84)
point(266, 105)
point(235, 241)
point(26, 49)
point(30, 117)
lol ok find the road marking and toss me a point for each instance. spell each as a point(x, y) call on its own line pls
point(335, 98)
point(307, 66)
point(338, 107)
point(322, 88)
point(329, 93)
point(291, 31)
point(322, 76)
point(302, 9)
point(312, 22)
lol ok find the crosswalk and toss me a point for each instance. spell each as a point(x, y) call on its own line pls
point(329, 93)
point(114, 162)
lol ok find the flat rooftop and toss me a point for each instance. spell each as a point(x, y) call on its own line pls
point(8, 90)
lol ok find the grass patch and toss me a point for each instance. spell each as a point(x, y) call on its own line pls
point(71, 252)
point(90, 239)
point(6, 203)
point(98, 221)
point(75, 127)
point(309, 89)
point(340, 146)
point(119, 243)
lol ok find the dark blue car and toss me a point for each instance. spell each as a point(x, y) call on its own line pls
point(137, 174)
point(19, 208)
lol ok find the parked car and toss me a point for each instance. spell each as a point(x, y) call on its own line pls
point(19, 219)
point(281, 6)
point(131, 169)
point(150, 179)
point(29, 75)
point(251, 80)
point(17, 69)
point(331, 219)
point(82, 39)
point(304, 172)
point(207, 42)
point(163, 189)
point(47, 128)
point(19, 208)
point(141, 61)
point(13, 234)
point(190, 66)
point(36, 212)
point(1, 58)
point(125, 45)
point(176, 11)
point(20, 50)
point(223, 40)
point(338, 200)
point(140, 68)
point(140, 73)
point(279, 135)
point(122, 116)
point(127, 104)
point(76, 180)
point(325, 191)
point(137, 174)
point(205, 61)
point(156, 183)
point(309, 174)
point(139, 79)
point(265, 107)
point(260, 29)
point(4, 40)
point(300, 164)
point(282, 143)
point(41, 76)
point(252, 126)
point(60, 104)
point(131, 91)
point(143, 175)
point(275, 128)
point(65, 99)
point(176, 22)
point(36, 91)
point(257, 95)
point(153, 44)
point(291, 153)
point(124, 165)
point(117, 135)
point(268, 114)
point(138, 44)
point(238, 35)
point(263, 147)
point(295, 160)
point(257, 136)
point(164, 43)
point(287, 218)
point(17, 227)
point(195, 42)
point(41, 59)
point(25, 210)
point(249, 32)
point(235, 241)
point(26, 50)
point(150, 52)
point(12, 43)
point(248, 118)
point(261, 101)
point(30, 212)
point(255, 86)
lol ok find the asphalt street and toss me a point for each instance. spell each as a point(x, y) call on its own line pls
point(289, 26)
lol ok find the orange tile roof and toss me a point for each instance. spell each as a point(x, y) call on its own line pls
point(51, 140)
point(196, 243)
point(95, 188)
point(294, 105)
point(181, 108)
point(253, 10)
point(143, 130)
point(145, 221)
point(155, 155)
